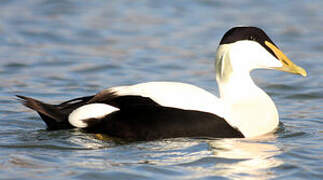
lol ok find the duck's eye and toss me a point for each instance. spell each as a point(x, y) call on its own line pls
point(252, 38)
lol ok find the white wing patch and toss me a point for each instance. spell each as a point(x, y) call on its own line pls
point(95, 110)
point(176, 95)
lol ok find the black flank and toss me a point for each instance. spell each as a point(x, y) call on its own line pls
point(157, 122)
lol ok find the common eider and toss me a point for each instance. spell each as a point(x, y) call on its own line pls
point(156, 110)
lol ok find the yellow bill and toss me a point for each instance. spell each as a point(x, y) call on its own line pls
point(288, 65)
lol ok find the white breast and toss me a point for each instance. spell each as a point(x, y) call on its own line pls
point(174, 94)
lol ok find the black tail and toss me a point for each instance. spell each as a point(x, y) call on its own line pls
point(55, 116)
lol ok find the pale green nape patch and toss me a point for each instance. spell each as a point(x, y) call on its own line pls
point(223, 67)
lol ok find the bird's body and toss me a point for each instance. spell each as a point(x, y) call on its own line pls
point(174, 94)
point(156, 110)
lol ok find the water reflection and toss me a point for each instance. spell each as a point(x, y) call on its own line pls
point(255, 158)
point(232, 158)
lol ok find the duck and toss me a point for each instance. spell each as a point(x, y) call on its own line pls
point(159, 110)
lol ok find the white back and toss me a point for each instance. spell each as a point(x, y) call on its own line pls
point(176, 95)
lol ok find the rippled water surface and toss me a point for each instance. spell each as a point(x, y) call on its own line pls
point(56, 50)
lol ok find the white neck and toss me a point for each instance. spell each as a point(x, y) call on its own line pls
point(248, 108)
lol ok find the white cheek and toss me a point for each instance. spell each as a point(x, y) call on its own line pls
point(251, 55)
point(273, 62)
point(267, 60)
point(243, 55)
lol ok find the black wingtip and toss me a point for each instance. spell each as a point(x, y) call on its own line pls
point(27, 101)
point(19, 97)
point(22, 99)
point(52, 116)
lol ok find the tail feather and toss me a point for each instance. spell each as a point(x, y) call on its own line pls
point(51, 114)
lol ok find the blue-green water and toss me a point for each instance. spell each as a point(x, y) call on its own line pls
point(57, 50)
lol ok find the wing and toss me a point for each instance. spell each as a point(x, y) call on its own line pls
point(141, 112)
point(159, 110)
point(168, 94)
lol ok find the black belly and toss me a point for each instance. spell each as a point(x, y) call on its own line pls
point(157, 122)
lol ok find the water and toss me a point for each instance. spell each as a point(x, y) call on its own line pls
point(57, 50)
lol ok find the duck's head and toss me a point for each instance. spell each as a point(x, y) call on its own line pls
point(243, 49)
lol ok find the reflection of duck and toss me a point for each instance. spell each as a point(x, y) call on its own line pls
point(157, 110)
point(254, 159)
